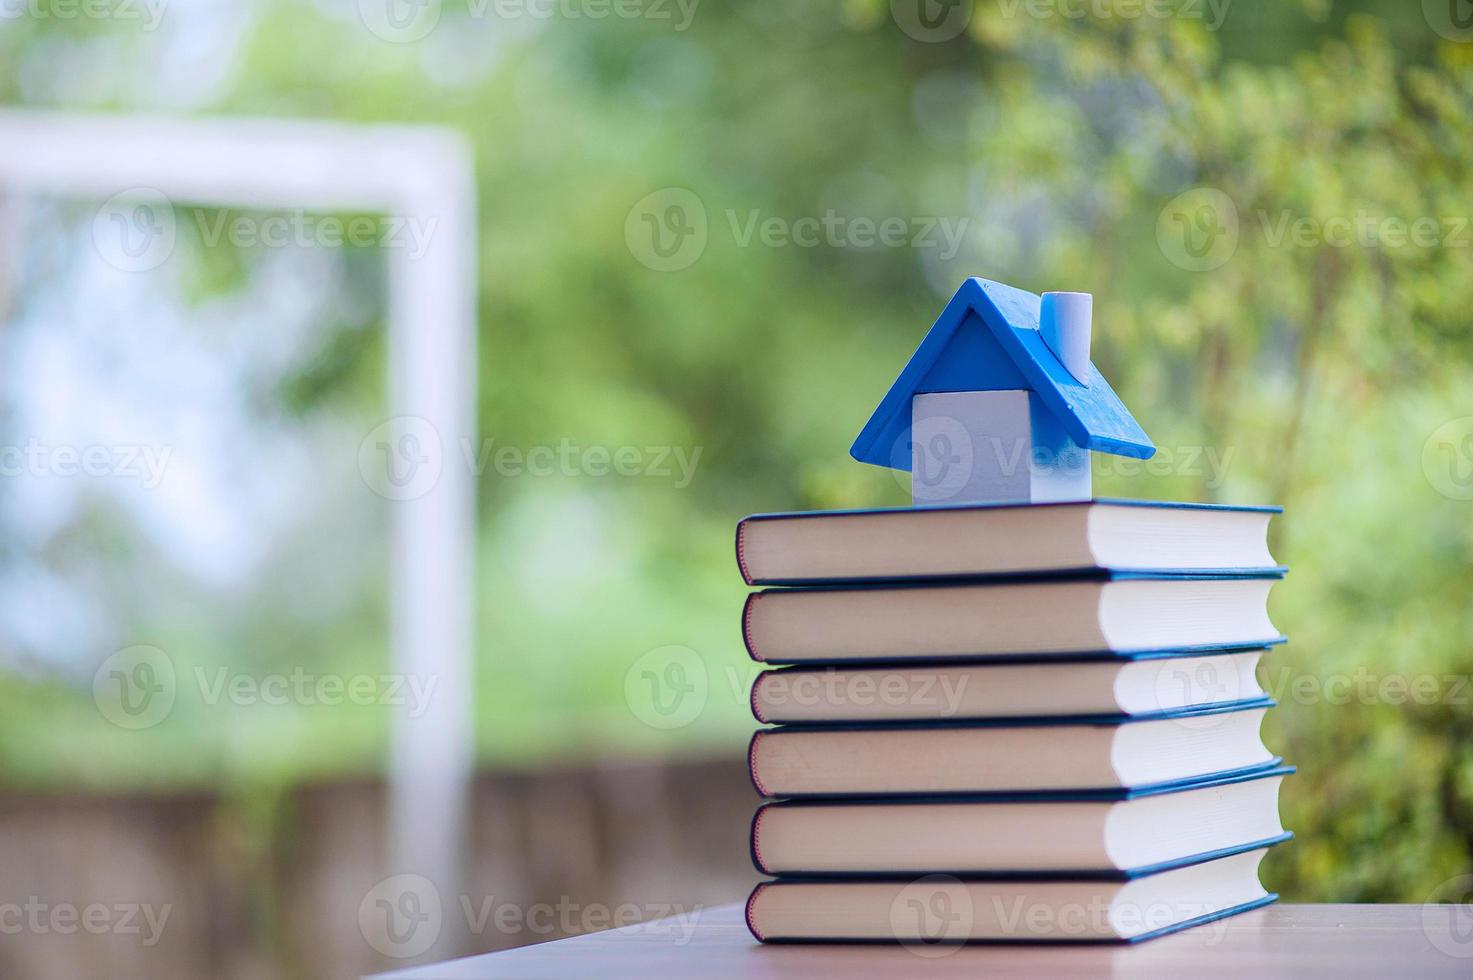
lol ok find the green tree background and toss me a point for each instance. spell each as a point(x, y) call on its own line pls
point(1248, 198)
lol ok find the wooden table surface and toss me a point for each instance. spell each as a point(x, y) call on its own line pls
point(1381, 941)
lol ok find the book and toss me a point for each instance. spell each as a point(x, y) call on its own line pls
point(1007, 756)
point(918, 691)
point(1118, 614)
point(1124, 838)
point(958, 541)
point(937, 909)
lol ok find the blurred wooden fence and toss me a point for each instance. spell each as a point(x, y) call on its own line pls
point(259, 885)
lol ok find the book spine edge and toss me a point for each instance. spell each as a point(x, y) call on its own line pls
point(749, 913)
point(747, 627)
point(752, 765)
point(741, 550)
point(752, 699)
point(756, 841)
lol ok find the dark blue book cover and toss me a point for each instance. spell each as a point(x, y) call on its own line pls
point(1086, 570)
point(1271, 770)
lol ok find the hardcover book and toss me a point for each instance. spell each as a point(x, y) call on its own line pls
point(960, 541)
point(1079, 838)
point(937, 909)
point(1008, 756)
point(1122, 613)
point(1107, 690)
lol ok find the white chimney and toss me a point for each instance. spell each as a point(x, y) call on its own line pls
point(1064, 321)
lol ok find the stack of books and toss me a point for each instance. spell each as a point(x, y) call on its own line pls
point(1009, 723)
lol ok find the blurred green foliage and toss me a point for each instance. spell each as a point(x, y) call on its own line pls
point(1319, 370)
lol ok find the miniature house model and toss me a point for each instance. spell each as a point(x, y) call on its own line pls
point(1000, 403)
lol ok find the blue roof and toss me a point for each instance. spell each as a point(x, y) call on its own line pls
point(987, 339)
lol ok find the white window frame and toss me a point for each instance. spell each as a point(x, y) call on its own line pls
point(411, 172)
